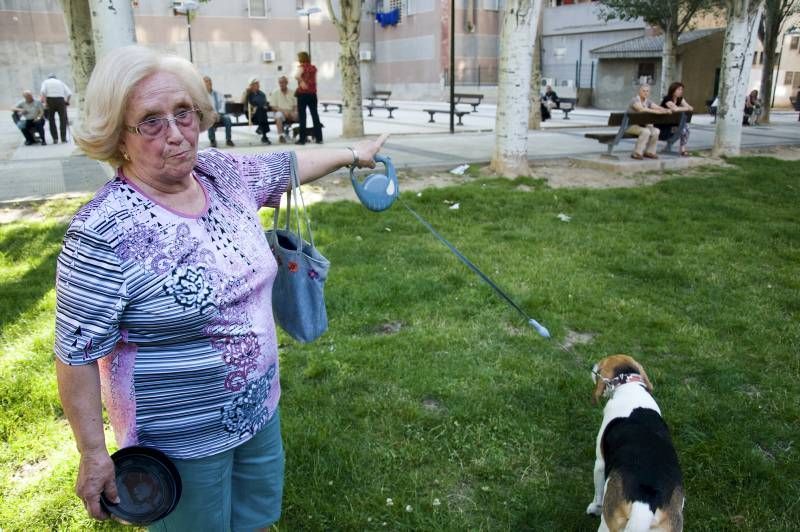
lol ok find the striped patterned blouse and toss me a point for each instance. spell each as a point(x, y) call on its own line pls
point(177, 310)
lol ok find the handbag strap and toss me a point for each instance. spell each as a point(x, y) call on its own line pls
point(299, 204)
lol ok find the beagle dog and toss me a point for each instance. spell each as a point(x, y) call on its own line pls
point(638, 484)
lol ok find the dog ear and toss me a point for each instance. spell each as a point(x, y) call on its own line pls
point(599, 388)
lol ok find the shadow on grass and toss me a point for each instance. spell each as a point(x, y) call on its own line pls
point(37, 247)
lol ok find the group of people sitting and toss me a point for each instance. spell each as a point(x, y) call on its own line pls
point(287, 106)
point(649, 135)
point(29, 113)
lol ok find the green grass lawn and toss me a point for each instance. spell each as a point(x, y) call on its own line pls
point(464, 418)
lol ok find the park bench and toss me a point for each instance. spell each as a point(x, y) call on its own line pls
point(566, 106)
point(332, 104)
point(458, 113)
point(390, 108)
point(469, 99)
point(796, 104)
point(379, 95)
point(240, 118)
point(626, 119)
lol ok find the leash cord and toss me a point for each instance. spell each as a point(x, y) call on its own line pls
point(541, 329)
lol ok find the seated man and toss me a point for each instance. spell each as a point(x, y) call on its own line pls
point(256, 104)
point(550, 98)
point(284, 103)
point(29, 117)
point(218, 103)
point(648, 135)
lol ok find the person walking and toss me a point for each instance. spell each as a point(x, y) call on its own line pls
point(55, 95)
point(164, 296)
point(306, 76)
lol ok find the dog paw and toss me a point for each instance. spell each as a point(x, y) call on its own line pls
point(594, 509)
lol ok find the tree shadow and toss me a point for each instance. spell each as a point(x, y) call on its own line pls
point(39, 247)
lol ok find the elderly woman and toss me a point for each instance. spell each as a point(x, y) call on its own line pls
point(647, 136)
point(164, 296)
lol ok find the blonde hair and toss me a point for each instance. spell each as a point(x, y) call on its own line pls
point(112, 83)
point(303, 57)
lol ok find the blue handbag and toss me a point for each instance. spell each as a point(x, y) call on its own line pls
point(298, 298)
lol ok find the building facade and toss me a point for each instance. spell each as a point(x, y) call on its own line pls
point(786, 75)
point(622, 66)
point(235, 40)
point(570, 30)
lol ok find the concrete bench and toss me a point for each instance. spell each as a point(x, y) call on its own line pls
point(626, 119)
point(458, 113)
point(390, 108)
point(469, 99)
point(333, 104)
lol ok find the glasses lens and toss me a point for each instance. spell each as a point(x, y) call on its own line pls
point(152, 127)
point(185, 118)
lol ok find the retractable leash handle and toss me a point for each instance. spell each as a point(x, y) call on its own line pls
point(378, 191)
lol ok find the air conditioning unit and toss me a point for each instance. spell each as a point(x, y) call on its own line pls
point(268, 56)
point(547, 81)
point(365, 55)
point(184, 6)
point(566, 83)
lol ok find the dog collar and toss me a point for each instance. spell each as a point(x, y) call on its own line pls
point(619, 380)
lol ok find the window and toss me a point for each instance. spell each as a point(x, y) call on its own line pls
point(787, 79)
point(257, 8)
point(491, 5)
point(755, 57)
point(794, 44)
point(646, 72)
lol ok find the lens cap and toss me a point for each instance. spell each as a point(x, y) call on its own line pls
point(148, 485)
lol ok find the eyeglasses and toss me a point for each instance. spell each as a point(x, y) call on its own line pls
point(154, 127)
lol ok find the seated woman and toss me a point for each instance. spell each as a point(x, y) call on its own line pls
point(675, 102)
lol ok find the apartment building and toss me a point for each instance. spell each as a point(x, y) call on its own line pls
point(786, 75)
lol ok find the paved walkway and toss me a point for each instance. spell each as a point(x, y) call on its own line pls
point(33, 172)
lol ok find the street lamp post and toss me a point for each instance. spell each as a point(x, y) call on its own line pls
point(307, 13)
point(187, 7)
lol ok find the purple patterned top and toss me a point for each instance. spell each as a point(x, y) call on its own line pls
point(177, 310)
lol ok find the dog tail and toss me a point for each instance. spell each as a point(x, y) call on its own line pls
point(641, 518)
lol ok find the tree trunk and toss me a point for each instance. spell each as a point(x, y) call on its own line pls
point(518, 31)
point(737, 53)
point(535, 113)
point(112, 25)
point(772, 28)
point(669, 60)
point(78, 20)
point(348, 27)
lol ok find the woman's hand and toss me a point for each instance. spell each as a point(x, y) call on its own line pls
point(96, 476)
point(367, 149)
